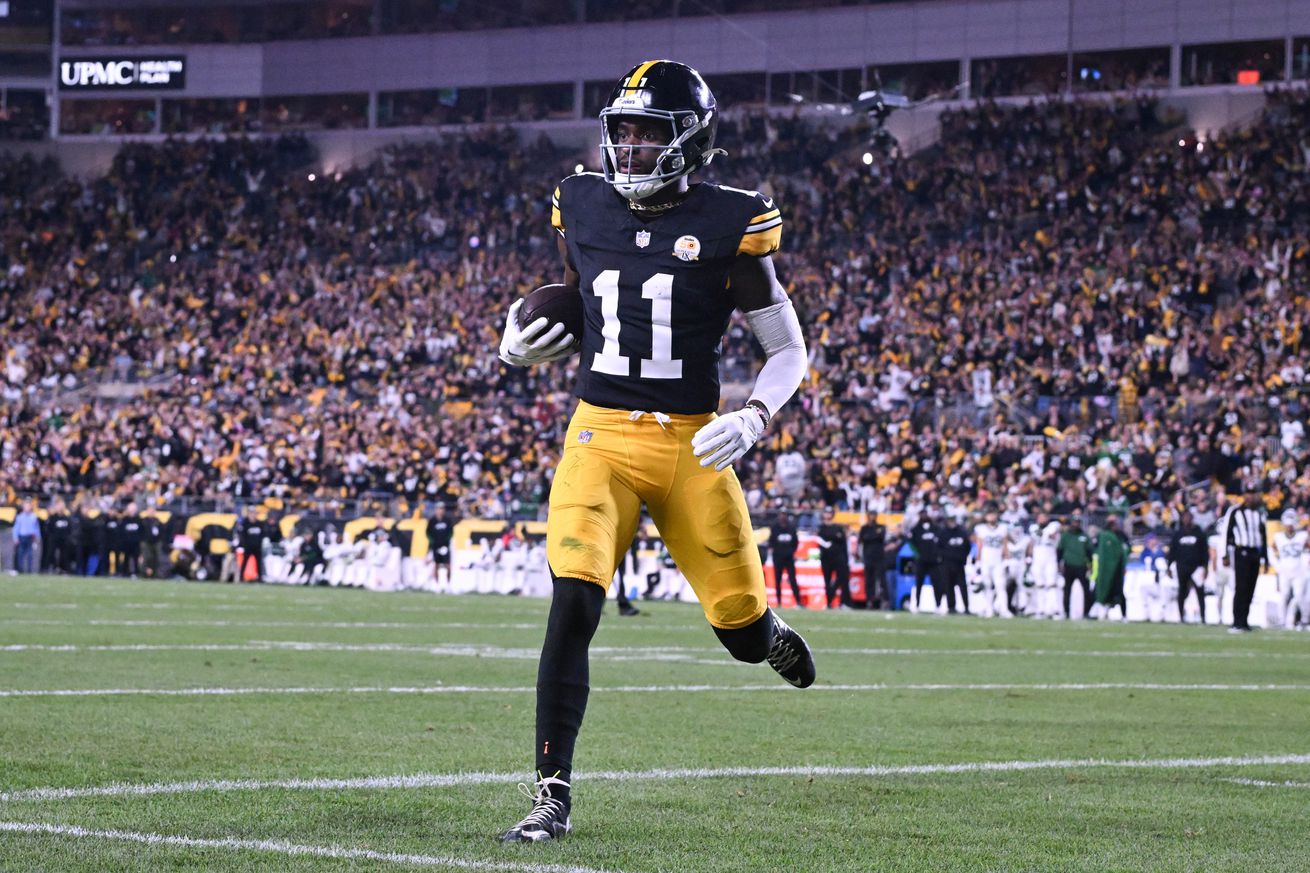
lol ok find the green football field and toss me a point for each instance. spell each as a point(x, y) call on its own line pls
point(183, 726)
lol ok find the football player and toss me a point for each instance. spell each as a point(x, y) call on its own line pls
point(1220, 572)
point(661, 264)
point(1018, 559)
point(1046, 573)
point(1289, 552)
point(991, 538)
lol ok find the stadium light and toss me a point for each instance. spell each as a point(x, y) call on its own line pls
point(312, 177)
point(868, 158)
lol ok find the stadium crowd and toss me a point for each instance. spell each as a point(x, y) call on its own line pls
point(1070, 306)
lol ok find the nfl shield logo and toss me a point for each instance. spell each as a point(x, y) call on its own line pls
point(643, 238)
point(585, 436)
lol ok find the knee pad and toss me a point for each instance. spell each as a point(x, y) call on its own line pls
point(750, 643)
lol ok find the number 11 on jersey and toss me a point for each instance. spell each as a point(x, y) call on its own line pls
point(609, 360)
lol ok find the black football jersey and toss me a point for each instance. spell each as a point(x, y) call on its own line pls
point(655, 290)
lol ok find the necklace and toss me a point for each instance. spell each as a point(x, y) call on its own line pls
point(654, 210)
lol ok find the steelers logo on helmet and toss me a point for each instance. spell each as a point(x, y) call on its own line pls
point(675, 99)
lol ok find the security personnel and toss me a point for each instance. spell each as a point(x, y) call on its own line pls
point(249, 534)
point(873, 544)
point(111, 554)
point(154, 554)
point(60, 550)
point(783, 538)
point(1188, 552)
point(835, 562)
point(924, 540)
point(440, 531)
point(954, 544)
point(130, 533)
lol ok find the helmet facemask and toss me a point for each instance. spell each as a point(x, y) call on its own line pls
point(684, 153)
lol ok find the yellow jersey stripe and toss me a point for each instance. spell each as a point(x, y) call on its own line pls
point(763, 226)
point(772, 213)
point(634, 81)
point(760, 244)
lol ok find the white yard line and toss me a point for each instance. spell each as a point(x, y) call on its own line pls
point(621, 652)
point(335, 625)
point(283, 847)
point(1262, 783)
point(445, 780)
point(772, 688)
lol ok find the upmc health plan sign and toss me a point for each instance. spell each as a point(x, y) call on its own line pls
point(123, 73)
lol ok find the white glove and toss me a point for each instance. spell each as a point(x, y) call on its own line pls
point(532, 344)
point(727, 438)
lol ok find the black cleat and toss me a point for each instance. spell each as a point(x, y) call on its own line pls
point(629, 610)
point(549, 819)
point(790, 655)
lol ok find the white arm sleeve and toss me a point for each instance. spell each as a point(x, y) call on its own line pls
point(779, 331)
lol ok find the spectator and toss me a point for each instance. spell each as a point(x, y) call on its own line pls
point(27, 539)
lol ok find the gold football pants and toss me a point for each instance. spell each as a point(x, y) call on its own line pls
point(612, 464)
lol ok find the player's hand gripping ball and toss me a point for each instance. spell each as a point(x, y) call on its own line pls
point(544, 326)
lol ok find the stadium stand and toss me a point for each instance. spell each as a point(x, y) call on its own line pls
point(1104, 309)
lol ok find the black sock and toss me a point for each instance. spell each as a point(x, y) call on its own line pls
point(562, 677)
point(750, 643)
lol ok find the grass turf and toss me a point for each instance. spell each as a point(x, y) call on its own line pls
point(130, 635)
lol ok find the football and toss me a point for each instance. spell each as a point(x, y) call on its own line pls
point(557, 304)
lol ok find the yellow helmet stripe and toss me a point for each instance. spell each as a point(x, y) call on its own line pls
point(634, 81)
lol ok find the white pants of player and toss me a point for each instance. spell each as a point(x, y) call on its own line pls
point(1159, 596)
point(1046, 579)
point(1294, 580)
point(995, 599)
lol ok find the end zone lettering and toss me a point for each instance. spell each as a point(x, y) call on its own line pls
point(105, 73)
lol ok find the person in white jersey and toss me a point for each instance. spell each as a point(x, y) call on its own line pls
point(1046, 569)
point(1291, 554)
point(990, 538)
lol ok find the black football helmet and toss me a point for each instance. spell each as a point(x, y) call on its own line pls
point(673, 94)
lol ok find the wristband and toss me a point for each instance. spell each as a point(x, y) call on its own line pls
point(761, 409)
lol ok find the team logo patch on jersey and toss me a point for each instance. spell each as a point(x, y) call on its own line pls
point(643, 239)
point(687, 248)
point(585, 436)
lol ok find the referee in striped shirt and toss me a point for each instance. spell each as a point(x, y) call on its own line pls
point(1244, 533)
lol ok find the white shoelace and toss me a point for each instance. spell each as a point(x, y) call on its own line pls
point(660, 418)
point(544, 807)
point(781, 654)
